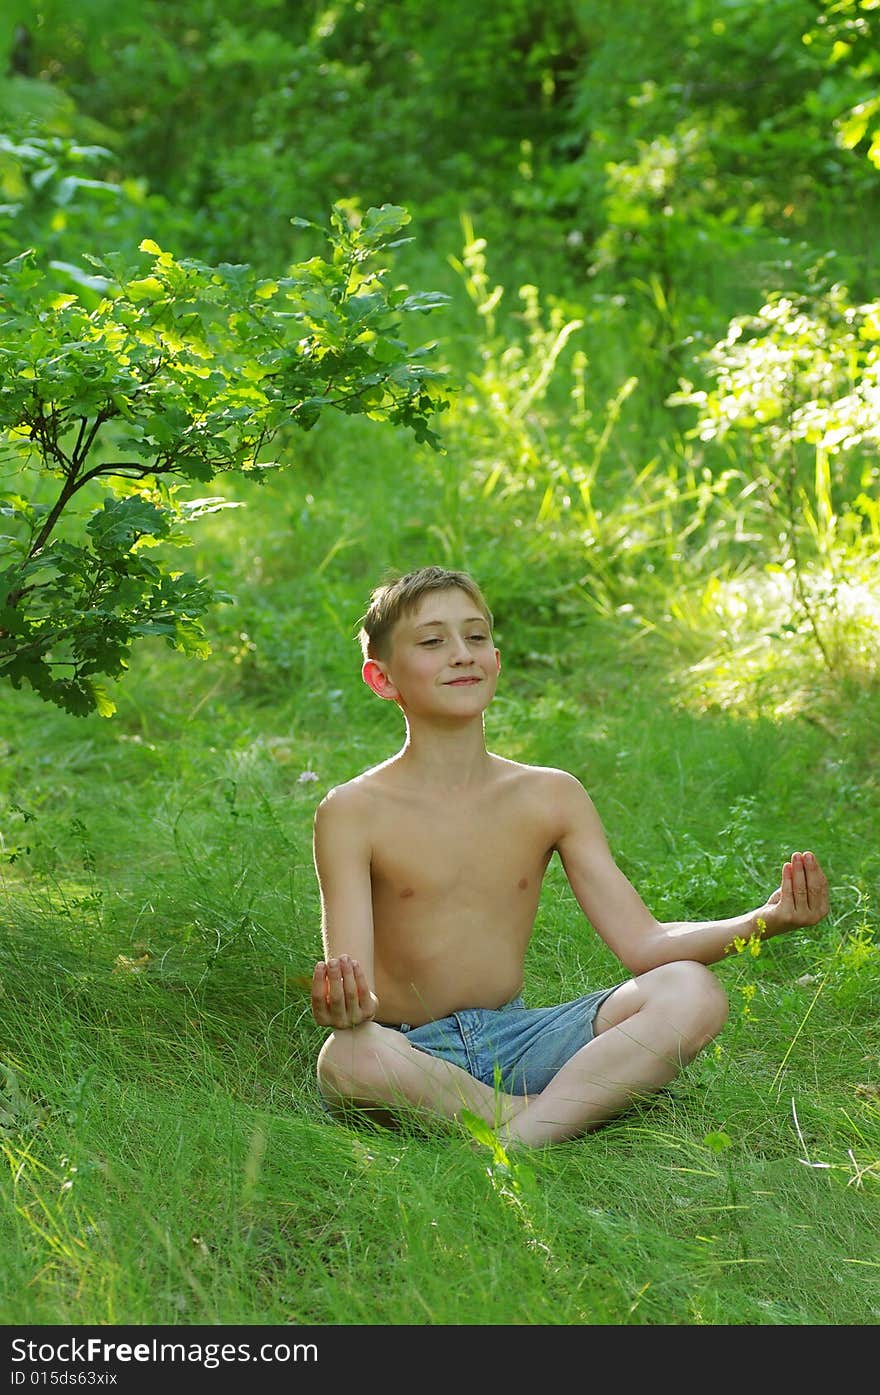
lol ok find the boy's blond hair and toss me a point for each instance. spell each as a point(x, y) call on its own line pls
point(398, 595)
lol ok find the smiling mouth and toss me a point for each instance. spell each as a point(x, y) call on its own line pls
point(462, 682)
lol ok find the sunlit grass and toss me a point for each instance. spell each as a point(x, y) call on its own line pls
point(757, 647)
point(166, 1157)
point(167, 1162)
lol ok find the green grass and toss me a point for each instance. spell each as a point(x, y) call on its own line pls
point(164, 1158)
point(168, 1163)
point(168, 1159)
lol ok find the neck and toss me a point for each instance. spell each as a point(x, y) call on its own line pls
point(446, 756)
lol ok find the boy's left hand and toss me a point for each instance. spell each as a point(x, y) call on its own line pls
point(801, 899)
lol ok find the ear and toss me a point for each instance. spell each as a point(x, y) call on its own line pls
point(376, 677)
point(497, 660)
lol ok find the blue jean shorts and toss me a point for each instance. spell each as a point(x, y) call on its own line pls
point(526, 1045)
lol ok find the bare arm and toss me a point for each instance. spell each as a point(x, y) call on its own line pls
point(342, 983)
point(624, 922)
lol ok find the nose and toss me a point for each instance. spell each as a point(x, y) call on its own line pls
point(460, 651)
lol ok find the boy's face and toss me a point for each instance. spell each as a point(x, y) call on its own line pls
point(442, 661)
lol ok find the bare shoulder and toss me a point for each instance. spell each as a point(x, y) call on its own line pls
point(344, 804)
point(551, 791)
point(541, 780)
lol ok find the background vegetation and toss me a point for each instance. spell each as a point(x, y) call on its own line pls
point(644, 243)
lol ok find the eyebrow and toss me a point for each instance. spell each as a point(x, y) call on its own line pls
point(473, 620)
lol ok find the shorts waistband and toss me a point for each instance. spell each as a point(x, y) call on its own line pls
point(516, 1002)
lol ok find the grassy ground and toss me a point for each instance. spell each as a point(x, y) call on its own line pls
point(168, 1161)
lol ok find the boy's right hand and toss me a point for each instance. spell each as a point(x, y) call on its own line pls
point(341, 996)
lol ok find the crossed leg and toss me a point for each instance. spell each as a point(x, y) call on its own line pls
point(378, 1072)
point(645, 1033)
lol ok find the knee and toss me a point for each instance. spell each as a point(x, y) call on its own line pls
point(350, 1062)
point(698, 996)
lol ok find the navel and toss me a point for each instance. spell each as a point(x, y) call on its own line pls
point(407, 891)
point(523, 883)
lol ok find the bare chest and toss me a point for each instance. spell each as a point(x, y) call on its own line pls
point(477, 854)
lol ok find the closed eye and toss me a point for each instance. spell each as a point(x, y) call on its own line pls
point(434, 640)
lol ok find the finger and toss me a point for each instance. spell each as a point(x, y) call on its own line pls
point(349, 984)
point(786, 888)
point(812, 869)
point(319, 994)
point(366, 1000)
point(363, 986)
point(335, 992)
point(799, 882)
point(810, 885)
point(817, 884)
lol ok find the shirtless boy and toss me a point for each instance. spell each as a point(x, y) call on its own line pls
point(430, 868)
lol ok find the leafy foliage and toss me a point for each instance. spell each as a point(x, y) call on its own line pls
point(800, 381)
point(648, 177)
point(655, 184)
point(175, 373)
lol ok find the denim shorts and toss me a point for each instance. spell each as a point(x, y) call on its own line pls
point(527, 1045)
